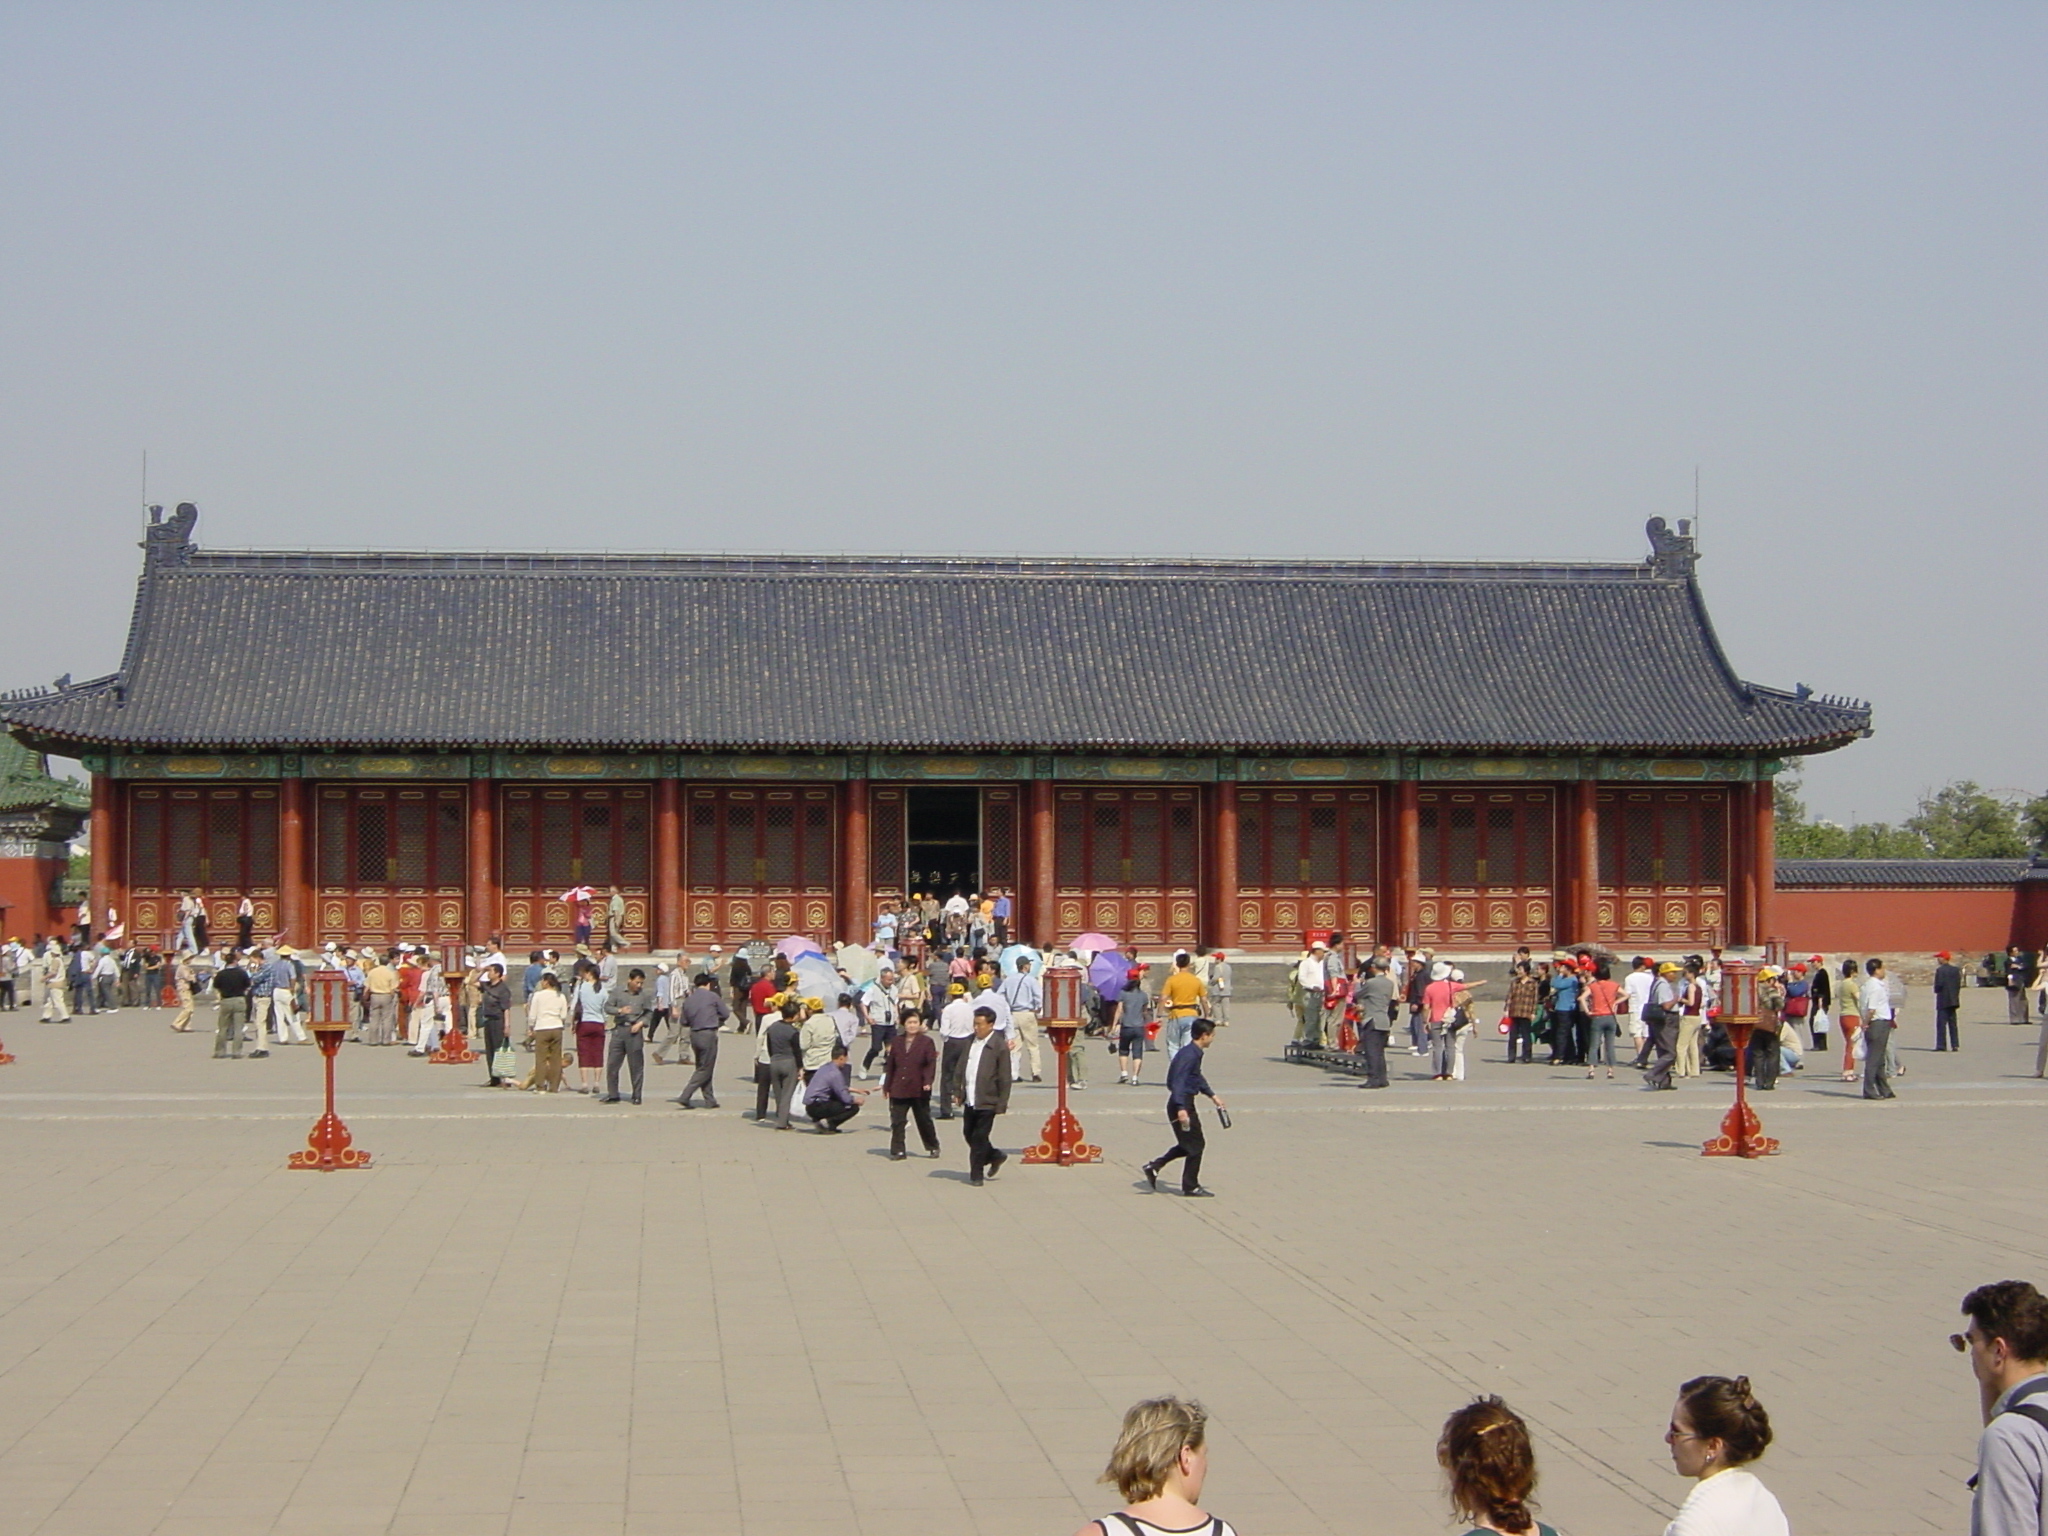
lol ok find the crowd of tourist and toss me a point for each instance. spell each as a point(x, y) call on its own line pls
point(1581, 1004)
point(1717, 1433)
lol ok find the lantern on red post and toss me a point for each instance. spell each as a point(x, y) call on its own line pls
point(1741, 1131)
point(1060, 1140)
point(454, 1049)
point(329, 1145)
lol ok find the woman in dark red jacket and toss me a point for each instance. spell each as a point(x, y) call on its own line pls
point(907, 1074)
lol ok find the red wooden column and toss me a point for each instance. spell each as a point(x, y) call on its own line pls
point(1407, 860)
point(1038, 861)
point(1219, 900)
point(482, 884)
point(1586, 862)
point(668, 864)
point(109, 858)
point(1741, 925)
point(294, 888)
point(1764, 856)
point(856, 897)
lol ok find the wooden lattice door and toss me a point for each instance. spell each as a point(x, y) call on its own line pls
point(1486, 867)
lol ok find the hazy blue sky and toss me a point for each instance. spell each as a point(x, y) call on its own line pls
point(1268, 279)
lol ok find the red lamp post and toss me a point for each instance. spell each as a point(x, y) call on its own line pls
point(1060, 1140)
point(1741, 1131)
point(329, 1145)
point(454, 1048)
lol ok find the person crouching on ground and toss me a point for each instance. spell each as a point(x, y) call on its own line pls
point(828, 1099)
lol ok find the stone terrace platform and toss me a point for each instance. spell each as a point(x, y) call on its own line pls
point(545, 1315)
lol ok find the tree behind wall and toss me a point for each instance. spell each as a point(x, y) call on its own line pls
point(1961, 820)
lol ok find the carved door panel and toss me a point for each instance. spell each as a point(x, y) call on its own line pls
point(1664, 865)
point(389, 864)
point(758, 863)
point(1126, 862)
point(1487, 858)
point(217, 839)
point(1307, 858)
point(554, 838)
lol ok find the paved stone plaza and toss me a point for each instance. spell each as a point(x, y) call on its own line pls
point(545, 1315)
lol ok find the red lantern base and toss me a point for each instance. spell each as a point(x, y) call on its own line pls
point(329, 1146)
point(1060, 1141)
point(454, 1049)
point(1741, 1136)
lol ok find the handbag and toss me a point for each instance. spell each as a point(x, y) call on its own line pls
point(505, 1062)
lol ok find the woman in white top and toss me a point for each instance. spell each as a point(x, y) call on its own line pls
point(547, 1015)
point(1717, 1428)
point(1159, 1464)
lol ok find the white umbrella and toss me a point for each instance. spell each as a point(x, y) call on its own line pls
point(861, 964)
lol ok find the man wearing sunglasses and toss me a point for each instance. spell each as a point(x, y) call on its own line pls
point(2007, 1342)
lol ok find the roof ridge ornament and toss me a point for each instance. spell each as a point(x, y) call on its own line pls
point(168, 541)
point(1672, 555)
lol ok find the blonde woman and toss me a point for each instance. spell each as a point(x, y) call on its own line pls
point(1159, 1464)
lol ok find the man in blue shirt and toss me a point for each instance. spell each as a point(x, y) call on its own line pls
point(1184, 1083)
point(1567, 1045)
point(828, 1098)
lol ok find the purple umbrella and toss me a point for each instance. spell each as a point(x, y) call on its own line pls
point(1106, 973)
point(795, 947)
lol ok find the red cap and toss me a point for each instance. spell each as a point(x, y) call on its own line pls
point(1799, 966)
point(1942, 954)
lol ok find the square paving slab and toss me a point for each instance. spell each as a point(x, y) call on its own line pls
point(542, 1314)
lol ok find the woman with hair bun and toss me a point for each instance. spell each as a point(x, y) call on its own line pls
point(1717, 1428)
point(1159, 1464)
point(1490, 1469)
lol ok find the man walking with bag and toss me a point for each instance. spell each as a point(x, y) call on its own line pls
point(1184, 1083)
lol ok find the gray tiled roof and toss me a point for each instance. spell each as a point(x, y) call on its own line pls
point(278, 649)
point(1797, 874)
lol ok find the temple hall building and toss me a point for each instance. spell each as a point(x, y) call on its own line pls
point(434, 747)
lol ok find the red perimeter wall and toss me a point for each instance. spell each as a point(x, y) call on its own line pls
point(25, 887)
point(1871, 922)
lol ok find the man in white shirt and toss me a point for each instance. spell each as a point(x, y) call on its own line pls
point(1879, 1015)
point(956, 1029)
point(987, 1094)
point(1311, 972)
point(878, 1007)
point(1635, 991)
point(995, 1002)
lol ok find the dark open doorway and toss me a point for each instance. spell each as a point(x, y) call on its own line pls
point(945, 839)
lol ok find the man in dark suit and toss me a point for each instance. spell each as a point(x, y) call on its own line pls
point(987, 1084)
point(1948, 996)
